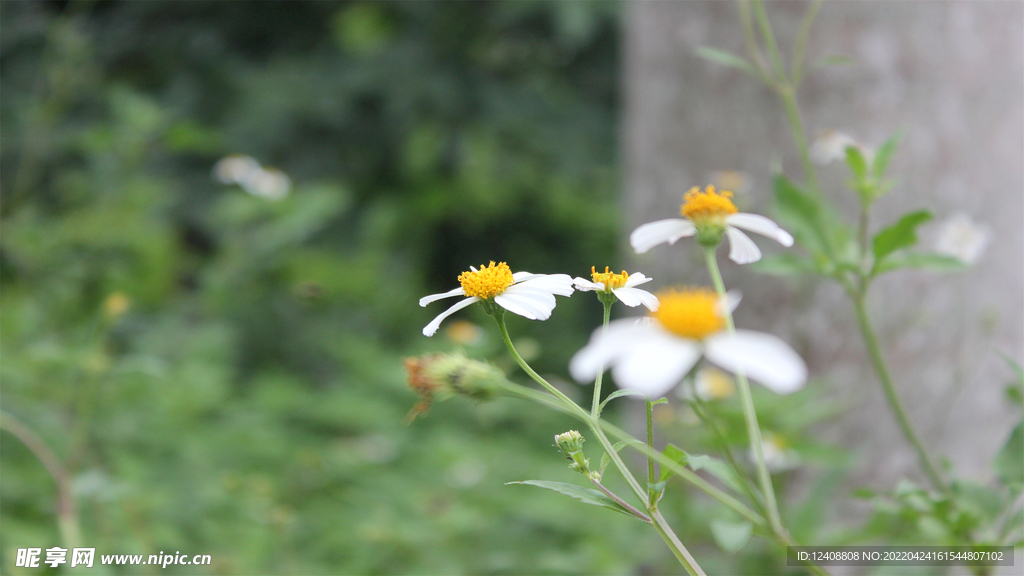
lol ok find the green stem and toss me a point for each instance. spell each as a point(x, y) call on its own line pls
point(651, 478)
point(788, 95)
point(680, 551)
point(639, 515)
point(747, 400)
point(595, 410)
point(723, 446)
point(878, 361)
point(761, 17)
point(800, 46)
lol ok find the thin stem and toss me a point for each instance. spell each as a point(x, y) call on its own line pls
point(682, 554)
point(67, 511)
point(749, 414)
point(723, 446)
point(595, 410)
point(878, 360)
point(800, 46)
point(652, 497)
point(761, 17)
point(788, 95)
point(753, 49)
point(620, 501)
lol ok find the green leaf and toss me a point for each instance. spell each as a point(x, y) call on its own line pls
point(585, 495)
point(1009, 463)
point(661, 400)
point(676, 455)
point(1015, 388)
point(619, 394)
point(855, 160)
point(785, 264)
point(731, 536)
point(801, 212)
point(726, 58)
point(902, 234)
point(885, 153)
point(927, 261)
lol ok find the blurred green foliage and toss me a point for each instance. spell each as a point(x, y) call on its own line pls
point(221, 373)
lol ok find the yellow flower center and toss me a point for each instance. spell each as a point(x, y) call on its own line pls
point(707, 205)
point(611, 280)
point(690, 312)
point(488, 281)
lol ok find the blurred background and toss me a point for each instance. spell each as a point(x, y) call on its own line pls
point(217, 219)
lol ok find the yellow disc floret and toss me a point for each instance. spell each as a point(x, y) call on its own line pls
point(488, 281)
point(611, 280)
point(707, 205)
point(690, 312)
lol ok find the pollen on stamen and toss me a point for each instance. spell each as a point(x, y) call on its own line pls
point(611, 280)
point(690, 312)
point(698, 205)
point(488, 281)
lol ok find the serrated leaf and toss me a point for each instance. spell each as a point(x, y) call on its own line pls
point(927, 261)
point(902, 234)
point(726, 58)
point(585, 495)
point(885, 153)
point(619, 394)
point(731, 536)
point(1009, 463)
point(785, 264)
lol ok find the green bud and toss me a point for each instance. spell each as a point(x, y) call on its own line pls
point(442, 375)
point(571, 444)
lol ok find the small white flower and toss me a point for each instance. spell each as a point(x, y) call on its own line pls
point(622, 285)
point(528, 295)
point(711, 214)
point(832, 145)
point(269, 183)
point(653, 356)
point(235, 168)
point(961, 238)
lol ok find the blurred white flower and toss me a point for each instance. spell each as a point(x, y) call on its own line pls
point(832, 145)
point(713, 384)
point(269, 183)
point(961, 238)
point(653, 356)
point(622, 285)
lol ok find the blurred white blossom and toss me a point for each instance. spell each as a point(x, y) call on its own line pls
point(269, 183)
point(962, 238)
point(832, 145)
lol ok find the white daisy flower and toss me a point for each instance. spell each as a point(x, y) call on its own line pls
point(528, 295)
point(708, 215)
point(962, 239)
point(654, 355)
point(623, 286)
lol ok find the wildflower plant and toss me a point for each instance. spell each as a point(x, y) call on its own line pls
point(650, 356)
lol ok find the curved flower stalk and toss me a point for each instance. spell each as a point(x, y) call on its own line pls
point(708, 215)
point(654, 355)
point(528, 295)
point(622, 285)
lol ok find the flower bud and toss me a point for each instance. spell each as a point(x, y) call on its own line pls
point(571, 444)
point(443, 375)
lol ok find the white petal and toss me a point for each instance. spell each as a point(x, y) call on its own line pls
point(656, 364)
point(532, 304)
point(742, 249)
point(763, 357)
point(636, 297)
point(435, 297)
point(431, 328)
point(585, 285)
point(730, 302)
point(605, 347)
point(636, 279)
point(520, 276)
point(761, 225)
point(651, 234)
point(560, 284)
